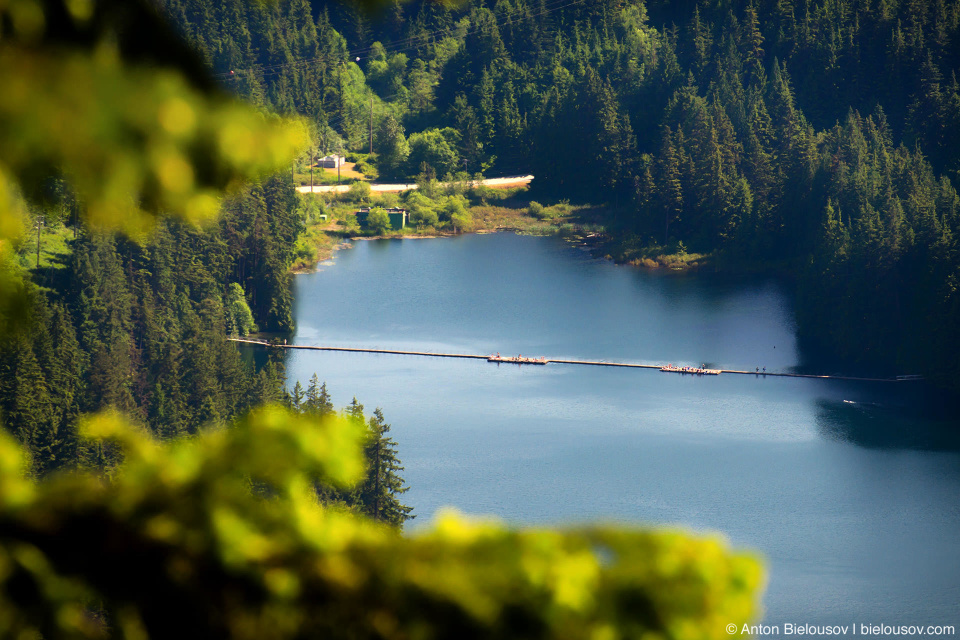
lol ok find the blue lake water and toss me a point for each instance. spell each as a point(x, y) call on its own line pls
point(851, 490)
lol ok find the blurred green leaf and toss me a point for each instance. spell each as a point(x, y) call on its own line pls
point(177, 537)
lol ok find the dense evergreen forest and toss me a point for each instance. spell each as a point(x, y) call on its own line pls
point(221, 523)
point(818, 137)
point(141, 325)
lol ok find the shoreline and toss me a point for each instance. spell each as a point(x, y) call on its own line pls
point(662, 263)
point(347, 243)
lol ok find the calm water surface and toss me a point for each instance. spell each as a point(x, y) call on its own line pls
point(850, 490)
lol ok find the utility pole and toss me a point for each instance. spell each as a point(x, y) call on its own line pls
point(313, 161)
point(339, 157)
point(341, 94)
point(323, 170)
point(371, 124)
point(39, 226)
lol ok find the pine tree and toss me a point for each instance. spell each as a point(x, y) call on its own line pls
point(379, 493)
point(670, 188)
point(296, 397)
point(752, 46)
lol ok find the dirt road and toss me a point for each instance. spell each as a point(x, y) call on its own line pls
point(507, 181)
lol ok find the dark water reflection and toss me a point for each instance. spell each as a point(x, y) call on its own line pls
point(892, 423)
point(850, 489)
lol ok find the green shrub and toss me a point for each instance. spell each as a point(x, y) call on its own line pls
point(310, 207)
point(424, 217)
point(462, 221)
point(239, 317)
point(422, 209)
point(368, 170)
point(176, 539)
point(358, 192)
point(386, 200)
point(454, 206)
point(378, 221)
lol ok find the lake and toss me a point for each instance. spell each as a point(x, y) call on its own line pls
point(851, 490)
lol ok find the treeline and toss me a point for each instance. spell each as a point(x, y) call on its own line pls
point(819, 136)
point(377, 495)
point(140, 326)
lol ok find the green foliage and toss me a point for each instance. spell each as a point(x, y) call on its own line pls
point(368, 170)
point(132, 123)
point(310, 208)
point(164, 141)
point(387, 200)
point(434, 149)
point(141, 326)
point(378, 221)
point(221, 533)
point(358, 192)
point(392, 148)
point(52, 242)
point(184, 532)
point(422, 209)
point(239, 316)
point(461, 221)
point(424, 217)
point(453, 206)
point(446, 211)
point(377, 495)
point(260, 227)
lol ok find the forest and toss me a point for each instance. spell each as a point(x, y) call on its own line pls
point(141, 327)
point(813, 139)
point(816, 140)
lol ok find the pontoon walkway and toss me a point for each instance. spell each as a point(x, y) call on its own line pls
point(597, 363)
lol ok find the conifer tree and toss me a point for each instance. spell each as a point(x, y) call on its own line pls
point(379, 492)
point(317, 401)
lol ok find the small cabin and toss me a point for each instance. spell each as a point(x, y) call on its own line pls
point(398, 217)
point(330, 162)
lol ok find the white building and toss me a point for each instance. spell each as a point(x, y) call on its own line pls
point(330, 162)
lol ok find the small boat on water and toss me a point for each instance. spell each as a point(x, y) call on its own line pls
point(516, 360)
point(698, 371)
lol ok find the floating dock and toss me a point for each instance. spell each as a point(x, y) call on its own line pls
point(696, 371)
point(518, 360)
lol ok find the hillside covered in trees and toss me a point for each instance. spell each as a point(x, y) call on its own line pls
point(166, 504)
point(817, 138)
point(140, 326)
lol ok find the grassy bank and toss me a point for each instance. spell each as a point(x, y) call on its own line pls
point(55, 248)
point(437, 211)
point(434, 211)
point(641, 252)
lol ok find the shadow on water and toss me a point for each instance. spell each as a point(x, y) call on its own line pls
point(892, 423)
point(256, 357)
point(708, 288)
